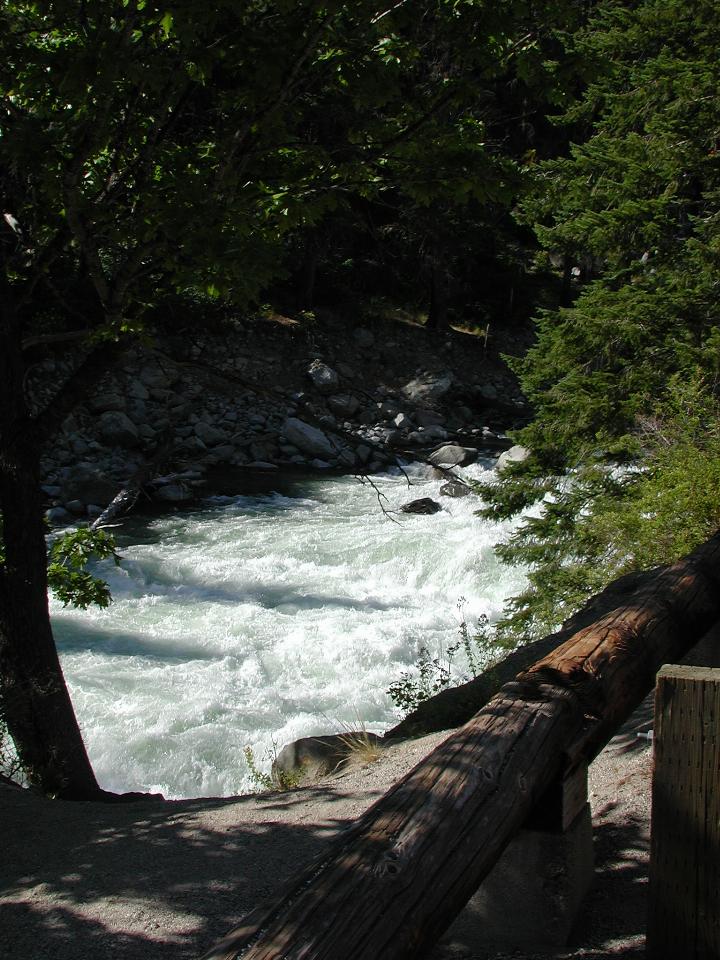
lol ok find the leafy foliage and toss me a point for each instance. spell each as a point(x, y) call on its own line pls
point(68, 576)
point(479, 650)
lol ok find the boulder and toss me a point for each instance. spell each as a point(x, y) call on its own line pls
point(364, 452)
point(403, 422)
point(106, 401)
point(138, 390)
point(307, 438)
point(173, 493)
point(429, 386)
point(515, 454)
point(154, 378)
point(453, 455)
point(311, 757)
point(88, 484)
point(423, 505)
point(433, 433)
point(325, 379)
point(343, 404)
point(455, 488)
point(427, 418)
point(209, 435)
point(117, 429)
point(58, 515)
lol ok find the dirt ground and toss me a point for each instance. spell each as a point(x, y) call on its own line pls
point(162, 880)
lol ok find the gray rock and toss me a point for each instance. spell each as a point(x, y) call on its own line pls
point(325, 379)
point(262, 465)
point(209, 435)
point(50, 490)
point(307, 438)
point(223, 453)
point(346, 371)
point(347, 458)
point(386, 410)
point(394, 438)
point(138, 390)
point(453, 455)
point(424, 505)
point(93, 511)
point(75, 506)
point(89, 483)
point(364, 338)
point(403, 422)
point(58, 515)
point(154, 377)
point(264, 450)
point(515, 454)
point(434, 433)
point(104, 402)
point(173, 493)
point(317, 464)
point(117, 429)
point(455, 488)
point(311, 757)
point(428, 418)
point(488, 392)
point(429, 386)
point(194, 446)
point(343, 404)
point(368, 416)
point(364, 453)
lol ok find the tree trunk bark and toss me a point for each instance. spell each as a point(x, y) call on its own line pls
point(34, 699)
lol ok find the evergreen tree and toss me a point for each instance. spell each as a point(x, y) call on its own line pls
point(633, 215)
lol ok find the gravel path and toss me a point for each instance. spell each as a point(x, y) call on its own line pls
point(163, 880)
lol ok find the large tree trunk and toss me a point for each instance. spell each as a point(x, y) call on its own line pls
point(34, 699)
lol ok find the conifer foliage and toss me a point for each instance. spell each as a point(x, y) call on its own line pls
point(623, 379)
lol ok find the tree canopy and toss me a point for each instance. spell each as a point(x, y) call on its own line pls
point(148, 150)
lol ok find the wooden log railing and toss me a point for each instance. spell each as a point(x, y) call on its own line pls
point(389, 886)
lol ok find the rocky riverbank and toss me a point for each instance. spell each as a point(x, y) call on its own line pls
point(270, 394)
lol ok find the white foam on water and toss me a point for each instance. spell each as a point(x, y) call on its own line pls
point(257, 620)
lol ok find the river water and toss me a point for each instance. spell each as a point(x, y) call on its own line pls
point(252, 621)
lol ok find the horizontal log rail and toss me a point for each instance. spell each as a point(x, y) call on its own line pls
point(388, 886)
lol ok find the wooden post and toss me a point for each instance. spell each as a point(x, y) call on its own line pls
point(684, 910)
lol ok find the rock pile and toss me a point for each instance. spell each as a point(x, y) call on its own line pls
point(211, 417)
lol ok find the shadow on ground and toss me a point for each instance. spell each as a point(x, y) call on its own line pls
point(151, 880)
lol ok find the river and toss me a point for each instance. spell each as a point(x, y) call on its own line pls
point(254, 620)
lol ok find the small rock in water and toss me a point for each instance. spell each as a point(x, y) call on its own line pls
point(423, 505)
point(454, 488)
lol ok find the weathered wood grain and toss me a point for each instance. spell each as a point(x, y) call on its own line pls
point(684, 913)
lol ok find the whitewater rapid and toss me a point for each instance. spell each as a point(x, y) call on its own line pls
point(252, 621)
